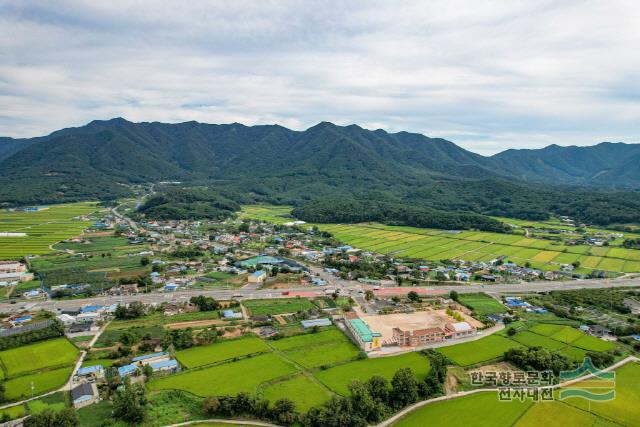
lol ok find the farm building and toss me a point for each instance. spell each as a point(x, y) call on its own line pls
point(66, 319)
point(316, 322)
point(230, 314)
point(366, 338)
point(257, 277)
point(83, 395)
point(91, 372)
point(170, 366)
point(146, 359)
point(126, 370)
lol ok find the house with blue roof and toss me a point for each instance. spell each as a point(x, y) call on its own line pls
point(91, 372)
point(257, 277)
point(21, 320)
point(150, 358)
point(230, 314)
point(306, 324)
point(126, 370)
point(91, 309)
point(167, 366)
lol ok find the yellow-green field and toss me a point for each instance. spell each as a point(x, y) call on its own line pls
point(436, 245)
point(43, 228)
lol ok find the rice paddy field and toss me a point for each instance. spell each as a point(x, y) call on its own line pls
point(564, 339)
point(267, 307)
point(42, 228)
point(485, 410)
point(34, 357)
point(307, 369)
point(206, 355)
point(227, 379)
point(301, 390)
point(482, 350)
point(482, 304)
point(45, 365)
point(339, 377)
point(436, 245)
point(20, 387)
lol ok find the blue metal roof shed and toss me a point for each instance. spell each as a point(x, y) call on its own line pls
point(126, 370)
point(149, 356)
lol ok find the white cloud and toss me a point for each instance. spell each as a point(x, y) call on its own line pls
point(487, 75)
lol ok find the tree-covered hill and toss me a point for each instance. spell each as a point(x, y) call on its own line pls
point(325, 162)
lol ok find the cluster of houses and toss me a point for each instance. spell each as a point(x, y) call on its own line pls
point(86, 318)
point(13, 272)
point(85, 392)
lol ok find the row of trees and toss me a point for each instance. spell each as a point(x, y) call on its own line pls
point(55, 329)
point(340, 210)
point(132, 311)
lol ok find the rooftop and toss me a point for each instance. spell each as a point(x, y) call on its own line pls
point(172, 363)
point(363, 331)
point(149, 356)
point(82, 390)
point(89, 370)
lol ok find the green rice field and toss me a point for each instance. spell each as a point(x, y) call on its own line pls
point(485, 410)
point(482, 350)
point(478, 410)
point(564, 339)
point(205, 355)
point(42, 228)
point(482, 304)
point(41, 355)
point(436, 245)
point(227, 379)
point(20, 387)
point(339, 377)
point(301, 390)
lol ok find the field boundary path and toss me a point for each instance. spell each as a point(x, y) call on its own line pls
point(67, 385)
point(409, 409)
point(302, 369)
point(224, 421)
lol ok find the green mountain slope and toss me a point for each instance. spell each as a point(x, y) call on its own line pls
point(279, 165)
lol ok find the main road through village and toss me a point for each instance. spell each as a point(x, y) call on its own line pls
point(344, 287)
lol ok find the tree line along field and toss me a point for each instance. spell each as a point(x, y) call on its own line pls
point(43, 228)
point(46, 365)
point(308, 368)
point(561, 338)
point(485, 410)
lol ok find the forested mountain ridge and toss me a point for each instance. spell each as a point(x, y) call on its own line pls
point(611, 164)
point(274, 164)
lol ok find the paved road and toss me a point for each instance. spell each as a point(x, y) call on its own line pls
point(346, 287)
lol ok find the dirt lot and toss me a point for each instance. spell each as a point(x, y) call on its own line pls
point(410, 321)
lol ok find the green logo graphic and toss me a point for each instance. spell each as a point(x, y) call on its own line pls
point(599, 387)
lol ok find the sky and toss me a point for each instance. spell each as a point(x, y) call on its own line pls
point(487, 75)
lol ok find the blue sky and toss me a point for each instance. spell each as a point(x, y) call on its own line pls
point(486, 75)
